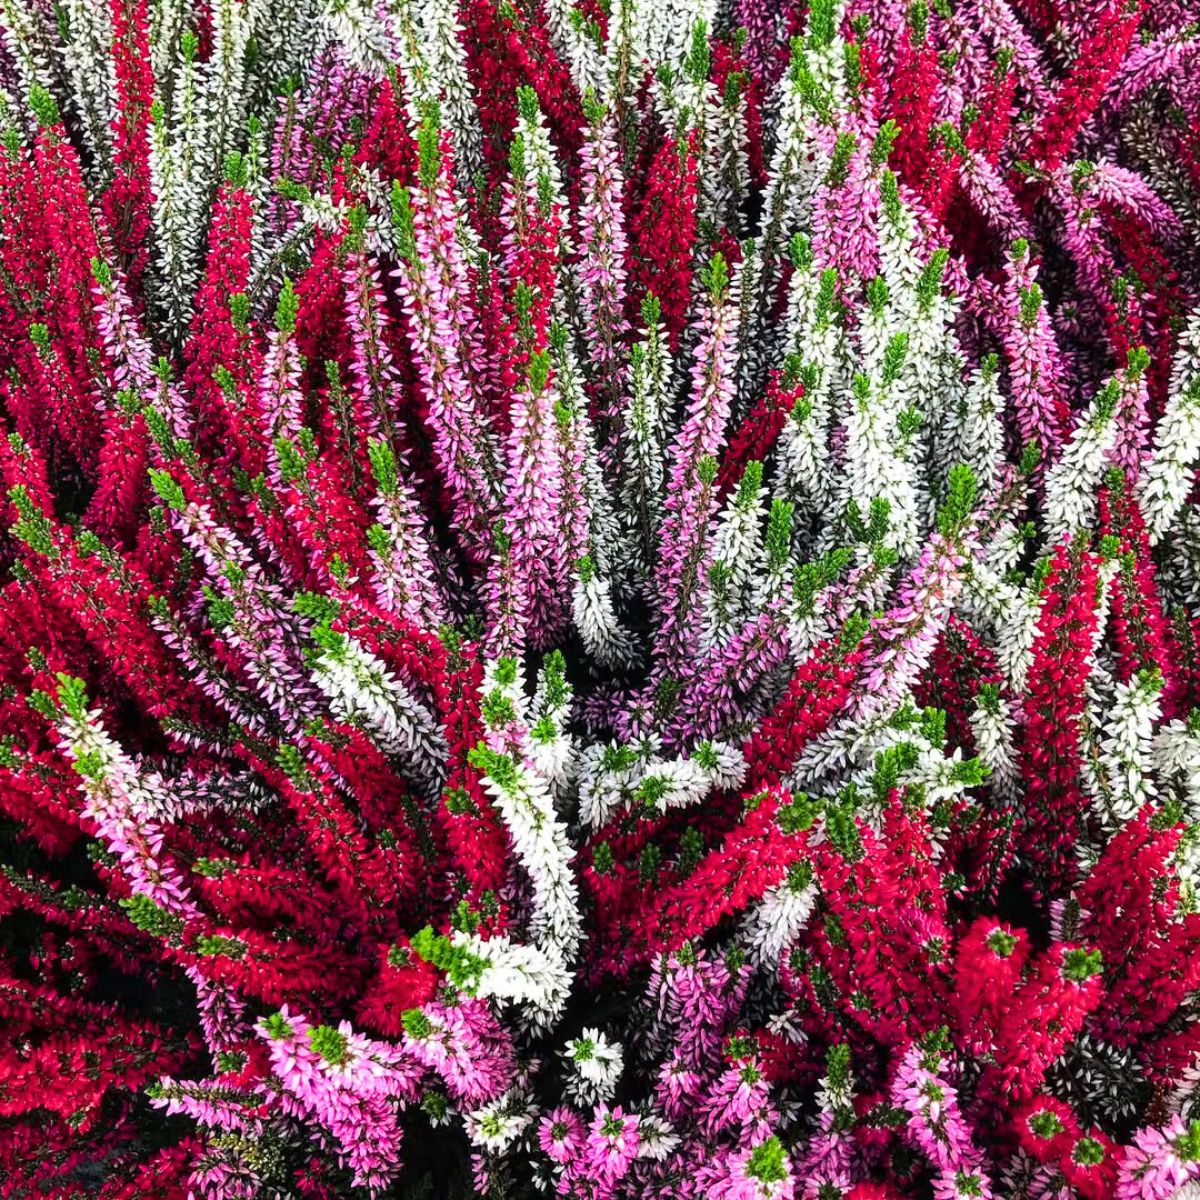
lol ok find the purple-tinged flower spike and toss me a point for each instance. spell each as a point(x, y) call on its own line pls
point(828, 1159)
point(584, 520)
point(936, 1125)
point(223, 1015)
point(998, 21)
point(426, 231)
point(1084, 231)
point(131, 354)
point(726, 691)
point(126, 805)
point(1109, 184)
point(213, 679)
point(845, 211)
point(765, 35)
point(759, 1171)
point(609, 1150)
point(249, 612)
point(601, 268)
point(349, 1086)
point(406, 580)
point(464, 1045)
point(724, 687)
point(985, 185)
point(691, 997)
point(280, 399)
point(691, 494)
point(320, 115)
point(533, 493)
point(447, 244)
point(506, 598)
point(1170, 54)
point(739, 1099)
point(901, 641)
point(1035, 366)
point(214, 1105)
point(374, 379)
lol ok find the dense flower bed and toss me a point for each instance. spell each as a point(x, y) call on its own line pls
point(600, 599)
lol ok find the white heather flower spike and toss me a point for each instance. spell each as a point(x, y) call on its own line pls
point(360, 689)
point(1170, 472)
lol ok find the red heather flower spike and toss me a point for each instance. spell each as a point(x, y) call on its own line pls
point(126, 204)
point(1060, 990)
point(989, 961)
point(754, 857)
point(506, 51)
point(914, 85)
point(1129, 898)
point(881, 891)
point(663, 237)
point(1154, 987)
point(1144, 639)
point(1063, 654)
point(816, 693)
point(756, 436)
point(1096, 62)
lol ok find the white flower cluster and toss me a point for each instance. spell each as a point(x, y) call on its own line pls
point(616, 776)
point(771, 927)
point(594, 1065)
point(517, 973)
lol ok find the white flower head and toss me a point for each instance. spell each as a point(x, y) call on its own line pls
point(595, 1065)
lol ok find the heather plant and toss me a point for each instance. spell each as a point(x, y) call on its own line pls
point(600, 599)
